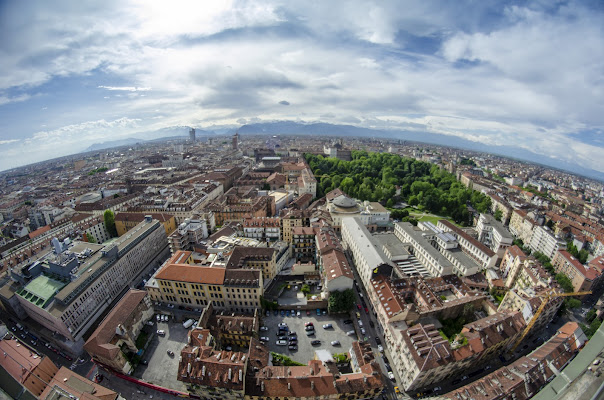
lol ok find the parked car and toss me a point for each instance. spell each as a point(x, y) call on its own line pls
point(292, 347)
point(282, 337)
point(308, 324)
point(388, 367)
point(287, 313)
point(335, 343)
point(276, 312)
point(363, 331)
point(281, 342)
point(347, 321)
point(315, 342)
point(282, 325)
point(366, 310)
point(293, 341)
point(391, 375)
point(161, 332)
point(307, 312)
point(358, 314)
point(170, 353)
point(327, 326)
point(371, 324)
point(292, 333)
point(264, 339)
point(268, 313)
point(324, 312)
point(360, 323)
point(380, 348)
point(309, 328)
point(437, 389)
point(293, 313)
point(158, 317)
point(264, 328)
point(351, 333)
point(377, 340)
point(283, 313)
point(310, 332)
point(298, 314)
point(318, 311)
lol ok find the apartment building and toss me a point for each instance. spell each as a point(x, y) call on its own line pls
point(119, 330)
point(291, 219)
point(523, 378)
point(512, 259)
point(481, 254)
point(544, 241)
point(583, 277)
point(493, 234)
point(239, 203)
point(262, 229)
point(521, 225)
point(303, 243)
point(27, 374)
point(73, 299)
point(264, 259)
point(182, 282)
point(426, 358)
point(189, 234)
point(527, 301)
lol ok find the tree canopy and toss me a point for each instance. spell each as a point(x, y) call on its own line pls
point(341, 301)
point(110, 223)
point(380, 176)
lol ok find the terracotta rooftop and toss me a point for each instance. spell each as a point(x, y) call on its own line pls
point(99, 342)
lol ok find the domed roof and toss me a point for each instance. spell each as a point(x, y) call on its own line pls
point(344, 202)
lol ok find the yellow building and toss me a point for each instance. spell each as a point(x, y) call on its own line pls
point(125, 221)
point(182, 282)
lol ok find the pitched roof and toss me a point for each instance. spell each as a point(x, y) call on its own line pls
point(99, 342)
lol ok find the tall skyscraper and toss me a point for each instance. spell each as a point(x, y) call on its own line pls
point(235, 143)
point(192, 135)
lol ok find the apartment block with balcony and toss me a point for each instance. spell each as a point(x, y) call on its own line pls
point(303, 243)
point(481, 254)
point(262, 229)
point(544, 241)
point(493, 234)
point(189, 234)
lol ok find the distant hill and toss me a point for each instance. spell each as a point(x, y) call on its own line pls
point(324, 129)
point(114, 143)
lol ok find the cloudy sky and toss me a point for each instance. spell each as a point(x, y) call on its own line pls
point(526, 74)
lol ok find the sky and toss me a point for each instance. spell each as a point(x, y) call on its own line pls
point(523, 74)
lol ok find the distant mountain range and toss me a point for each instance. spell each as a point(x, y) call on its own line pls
point(325, 129)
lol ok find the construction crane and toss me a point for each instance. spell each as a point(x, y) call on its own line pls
point(545, 297)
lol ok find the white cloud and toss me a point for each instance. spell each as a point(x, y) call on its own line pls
point(125, 88)
point(9, 141)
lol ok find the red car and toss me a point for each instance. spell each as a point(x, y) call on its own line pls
point(366, 310)
point(307, 312)
point(359, 306)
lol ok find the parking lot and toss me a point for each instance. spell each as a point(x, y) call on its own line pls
point(161, 368)
point(305, 350)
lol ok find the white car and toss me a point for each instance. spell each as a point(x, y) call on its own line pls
point(360, 323)
point(264, 328)
point(298, 314)
point(161, 332)
point(391, 375)
point(281, 342)
point(158, 318)
point(351, 333)
point(327, 326)
point(380, 348)
point(165, 318)
point(335, 343)
point(264, 339)
point(362, 331)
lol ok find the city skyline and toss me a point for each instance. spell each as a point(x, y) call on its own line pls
point(498, 74)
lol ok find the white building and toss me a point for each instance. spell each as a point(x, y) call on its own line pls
point(493, 234)
point(366, 253)
point(544, 241)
